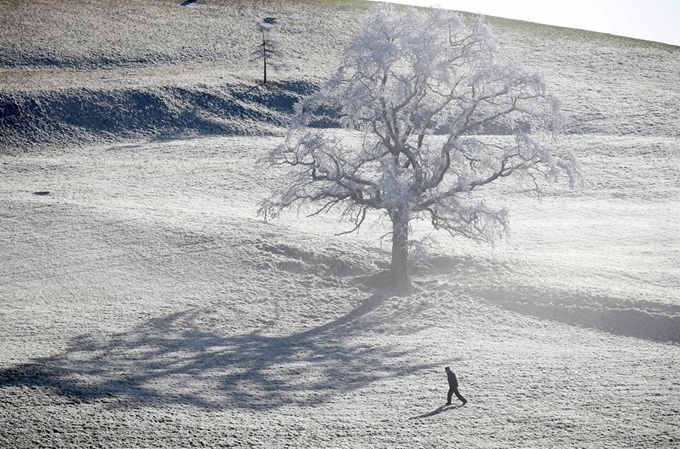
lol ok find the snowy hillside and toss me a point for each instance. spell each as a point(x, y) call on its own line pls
point(143, 303)
point(73, 72)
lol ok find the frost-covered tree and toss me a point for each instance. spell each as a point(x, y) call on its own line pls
point(268, 51)
point(426, 89)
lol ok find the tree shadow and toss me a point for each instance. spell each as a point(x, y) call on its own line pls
point(172, 360)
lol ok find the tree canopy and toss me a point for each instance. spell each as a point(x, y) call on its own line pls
point(425, 89)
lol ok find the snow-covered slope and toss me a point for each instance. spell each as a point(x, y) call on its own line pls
point(143, 303)
point(73, 72)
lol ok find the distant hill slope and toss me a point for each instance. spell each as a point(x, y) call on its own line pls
point(82, 72)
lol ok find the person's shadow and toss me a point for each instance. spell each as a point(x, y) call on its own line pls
point(438, 410)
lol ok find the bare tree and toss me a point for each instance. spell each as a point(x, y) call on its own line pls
point(425, 89)
point(268, 51)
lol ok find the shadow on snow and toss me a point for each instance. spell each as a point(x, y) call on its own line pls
point(648, 320)
point(438, 410)
point(170, 360)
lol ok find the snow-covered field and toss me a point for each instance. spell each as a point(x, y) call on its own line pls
point(143, 303)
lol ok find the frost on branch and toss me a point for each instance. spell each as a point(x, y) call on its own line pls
point(440, 115)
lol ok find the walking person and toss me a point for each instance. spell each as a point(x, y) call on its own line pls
point(453, 387)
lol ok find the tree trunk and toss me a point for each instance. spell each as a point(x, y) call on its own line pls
point(264, 57)
point(265, 70)
point(399, 265)
point(265, 66)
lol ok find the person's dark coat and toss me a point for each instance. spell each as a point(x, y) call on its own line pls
point(453, 382)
